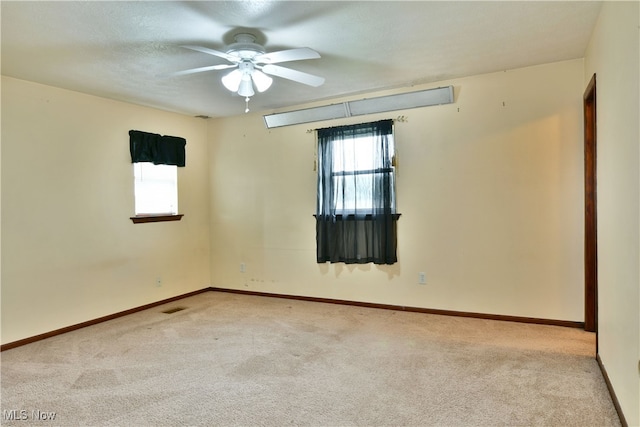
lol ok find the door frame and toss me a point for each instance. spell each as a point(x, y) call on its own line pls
point(590, 209)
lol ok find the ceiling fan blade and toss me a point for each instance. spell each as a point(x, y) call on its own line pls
point(287, 55)
point(201, 69)
point(296, 76)
point(208, 51)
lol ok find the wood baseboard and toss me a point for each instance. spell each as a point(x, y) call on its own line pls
point(612, 392)
point(60, 331)
point(565, 323)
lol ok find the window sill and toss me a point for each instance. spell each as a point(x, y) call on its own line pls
point(139, 219)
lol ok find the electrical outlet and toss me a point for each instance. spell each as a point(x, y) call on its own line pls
point(422, 278)
point(243, 267)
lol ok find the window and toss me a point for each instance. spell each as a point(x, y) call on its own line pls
point(155, 161)
point(156, 189)
point(358, 168)
point(356, 204)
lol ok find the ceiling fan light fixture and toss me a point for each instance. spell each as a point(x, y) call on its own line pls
point(261, 80)
point(246, 88)
point(232, 80)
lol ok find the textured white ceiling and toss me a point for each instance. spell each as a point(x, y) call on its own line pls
point(119, 49)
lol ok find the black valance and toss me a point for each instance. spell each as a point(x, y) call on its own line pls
point(157, 149)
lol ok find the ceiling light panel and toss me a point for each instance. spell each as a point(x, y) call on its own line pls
point(423, 98)
point(327, 112)
point(403, 101)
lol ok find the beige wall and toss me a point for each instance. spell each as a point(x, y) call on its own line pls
point(613, 55)
point(70, 253)
point(490, 190)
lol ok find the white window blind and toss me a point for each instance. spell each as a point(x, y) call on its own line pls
point(156, 189)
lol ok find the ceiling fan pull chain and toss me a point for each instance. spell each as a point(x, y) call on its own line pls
point(246, 102)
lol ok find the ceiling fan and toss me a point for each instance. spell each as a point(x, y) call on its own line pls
point(253, 65)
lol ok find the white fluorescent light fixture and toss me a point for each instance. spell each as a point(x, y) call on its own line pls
point(308, 115)
point(403, 101)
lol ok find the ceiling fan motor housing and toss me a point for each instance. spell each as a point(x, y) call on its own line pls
point(245, 47)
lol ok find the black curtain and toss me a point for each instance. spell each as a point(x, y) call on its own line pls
point(157, 149)
point(355, 215)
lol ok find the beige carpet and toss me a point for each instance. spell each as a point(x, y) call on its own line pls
point(237, 360)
